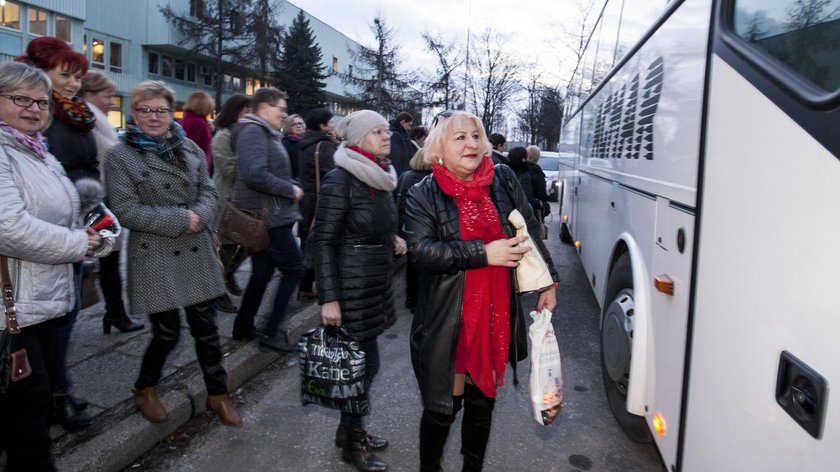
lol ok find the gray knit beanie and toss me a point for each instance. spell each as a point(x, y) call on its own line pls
point(356, 125)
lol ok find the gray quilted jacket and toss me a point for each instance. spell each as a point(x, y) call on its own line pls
point(39, 209)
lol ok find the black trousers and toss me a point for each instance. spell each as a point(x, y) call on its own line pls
point(166, 328)
point(24, 410)
point(111, 282)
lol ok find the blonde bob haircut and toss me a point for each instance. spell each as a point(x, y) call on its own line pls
point(445, 125)
point(533, 153)
point(151, 89)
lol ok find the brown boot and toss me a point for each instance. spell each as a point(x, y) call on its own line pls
point(223, 408)
point(149, 404)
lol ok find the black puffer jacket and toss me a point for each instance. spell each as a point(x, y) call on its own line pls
point(306, 164)
point(76, 150)
point(442, 259)
point(354, 247)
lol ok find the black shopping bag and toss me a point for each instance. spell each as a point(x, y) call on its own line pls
point(332, 369)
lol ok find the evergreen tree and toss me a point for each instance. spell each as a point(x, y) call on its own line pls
point(377, 83)
point(302, 74)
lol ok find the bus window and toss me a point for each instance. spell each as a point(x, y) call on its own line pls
point(803, 35)
point(637, 17)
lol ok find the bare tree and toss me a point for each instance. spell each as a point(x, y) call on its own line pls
point(266, 38)
point(216, 33)
point(382, 87)
point(575, 38)
point(442, 90)
point(492, 81)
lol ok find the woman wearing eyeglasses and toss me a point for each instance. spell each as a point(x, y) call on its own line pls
point(159, 188)
point(468, 323)
point(40, 235)
point(293, 129)
point(354, 246)
point(71, 140)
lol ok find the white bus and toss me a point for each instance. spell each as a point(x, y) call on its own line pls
point(701, 187)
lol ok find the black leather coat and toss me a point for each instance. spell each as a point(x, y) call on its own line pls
point(354, 248)
point(442, 259)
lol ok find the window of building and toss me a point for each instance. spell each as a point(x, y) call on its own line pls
point(208, 76)
point(63, 28)
point(115, 57)
point(197, 8)
point(154, 63)
point(166, 66)
point(350, 70)
point(115, 113)
point(190, 72)
point(37, 21)
point(179, 69)
point(335, 65)
point(97, 53)
point(10, 15)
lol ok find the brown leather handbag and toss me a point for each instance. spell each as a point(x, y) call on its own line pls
point(14, 365)
point(243, 227)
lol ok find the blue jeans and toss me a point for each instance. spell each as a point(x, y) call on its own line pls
point(63, 384)
point(282, 254)
point(371, 348)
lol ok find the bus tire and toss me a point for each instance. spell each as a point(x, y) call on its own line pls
point(616, 349)
point(565, 234)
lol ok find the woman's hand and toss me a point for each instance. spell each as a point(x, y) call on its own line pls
point(298, 193)
point(506, 252)
point(547, 299)
point(195, 222)
point(400, 247)
point(331, 314)
point(94, 240)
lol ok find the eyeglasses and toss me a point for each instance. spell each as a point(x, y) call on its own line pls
point(443, 114)
point(25, 102)
point(146, 112)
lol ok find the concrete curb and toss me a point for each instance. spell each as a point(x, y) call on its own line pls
point(127, 435)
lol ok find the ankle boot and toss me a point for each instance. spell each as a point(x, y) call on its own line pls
point(149, 404)
point(68, 417)
point(375, 443)
point(223, 408)
point(122, 323)
point(357, 452)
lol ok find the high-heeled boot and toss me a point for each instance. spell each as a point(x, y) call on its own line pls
point(122, 323)
point(374, 442)
point(357, 452)
point(475, 429)
point(223, 408)
point(68, 417)
point(149, 404)
point(434, 430)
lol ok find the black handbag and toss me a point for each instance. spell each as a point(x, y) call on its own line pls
point(14, 365)
point(332, 366)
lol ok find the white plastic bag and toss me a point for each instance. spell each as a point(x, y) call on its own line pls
point(546, 381)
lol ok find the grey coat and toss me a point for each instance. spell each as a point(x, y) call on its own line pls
point(38, 232)
point(168, 268)
point(263, 172)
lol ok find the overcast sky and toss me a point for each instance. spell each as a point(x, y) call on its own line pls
point(533, 26)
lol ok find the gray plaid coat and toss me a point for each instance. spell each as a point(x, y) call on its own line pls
point(168, 268)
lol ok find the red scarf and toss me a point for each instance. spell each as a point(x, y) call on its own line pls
point(485, 311)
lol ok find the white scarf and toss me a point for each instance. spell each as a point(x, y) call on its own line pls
point(364, 169)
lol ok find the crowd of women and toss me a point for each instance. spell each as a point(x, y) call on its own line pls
point(334, 183)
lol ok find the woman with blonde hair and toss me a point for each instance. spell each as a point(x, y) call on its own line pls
point(468, 322)
point(198, 107)
point(159, 188)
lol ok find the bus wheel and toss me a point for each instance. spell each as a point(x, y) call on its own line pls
point(565, 234)
point(616, 349)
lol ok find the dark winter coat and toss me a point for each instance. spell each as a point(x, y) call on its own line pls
point(442, 259)
point(406, 181)
point(354, 249)
point(402, 149)
point(263, 172)
point(292, 148)
point(532, 181)
point(306, 163)
point(75, 150)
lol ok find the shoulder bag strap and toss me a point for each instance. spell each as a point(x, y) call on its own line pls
point(9, 298)
point(317, 181)
point(265, 201)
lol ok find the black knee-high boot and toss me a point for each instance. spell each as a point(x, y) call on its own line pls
point(475, 428)
point(434, 429)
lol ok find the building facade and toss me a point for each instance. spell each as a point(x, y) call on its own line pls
point(131, 41)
